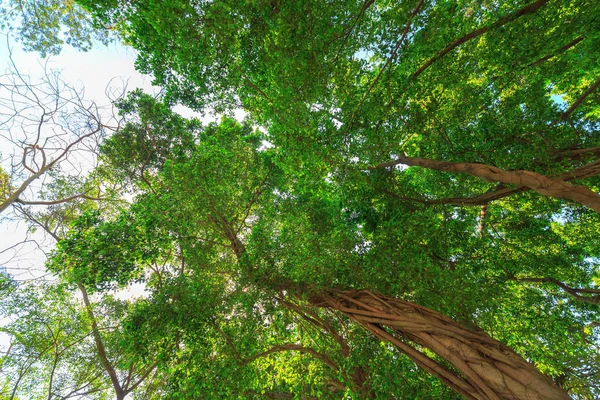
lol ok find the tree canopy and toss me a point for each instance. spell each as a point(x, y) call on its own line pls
point(46, 26)
point(410, 209)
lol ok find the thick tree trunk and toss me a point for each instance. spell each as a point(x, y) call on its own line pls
point(484, 368)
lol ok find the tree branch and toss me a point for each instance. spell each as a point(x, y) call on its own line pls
point(294, 347)
point(559, 51)
point(108, 367)
point(528, 9)
point(594, 294)
point(580, 99)
point(548, 186)
point(59, 201)
point(388, 61)
point(45, 168)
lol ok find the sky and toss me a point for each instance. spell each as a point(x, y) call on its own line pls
point(95, 71)
point(103, 69)
point(22, 253)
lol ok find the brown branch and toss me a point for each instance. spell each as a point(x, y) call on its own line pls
point(317, 321)
point(483, 368)
point(294, 347)
point(346, 33)
point(255, 196)
point(59, 201)
point(270, 395)
point(143, 376)
point(482, 217)
point(25, 368)
point(106, 364)
point(528, 9)
point(575, 154)
point(447, 376)
point(548, 186)
point(45, 168)
point(559, 51)
point(82, 395)
point(44, 226)
point(275, 349)
point(388, 61)
point(229, 342)
point(501, 191)
point(594, 294)
point(580, 99)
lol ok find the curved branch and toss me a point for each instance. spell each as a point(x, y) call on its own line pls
point(482, 367)
point(106, 364)
point(528, 9)
point(294, 347)
point(576, 293)
point(548, 186)
point(501, 191)
point(59, 201)
point(559, 51)
point(45, 168)
point(581, 98)
point(388, 61)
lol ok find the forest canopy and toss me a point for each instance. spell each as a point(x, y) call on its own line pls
point(410, 208)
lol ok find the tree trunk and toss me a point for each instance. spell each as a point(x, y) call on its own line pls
point(484, 368)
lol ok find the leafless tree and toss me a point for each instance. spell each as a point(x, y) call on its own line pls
point(49, 139)
point(49, 136)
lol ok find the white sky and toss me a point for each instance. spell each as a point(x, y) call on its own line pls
point(94, 70)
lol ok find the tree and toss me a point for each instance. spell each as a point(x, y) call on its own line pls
point(452, 87)
point(48, 355)
point(249, 232)
point(45, 26)
point(426, 171)
point(59, 348)
point(53, 133)
point(349, 94)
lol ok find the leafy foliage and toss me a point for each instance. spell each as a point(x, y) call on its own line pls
point(46, 26)
point(411, 150)
point(5, 186)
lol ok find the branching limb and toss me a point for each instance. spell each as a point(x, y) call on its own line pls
point(106, 364)
point(581, 294)
point(549, 186)
point(580, 99)
point(528, 9)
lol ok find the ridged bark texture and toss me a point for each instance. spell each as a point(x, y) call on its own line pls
point(484, 368)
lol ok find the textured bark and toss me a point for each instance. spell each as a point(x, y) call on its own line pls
point(484, 368)
point(548, 186)
point(501, 191)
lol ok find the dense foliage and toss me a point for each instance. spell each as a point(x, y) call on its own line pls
point(442, 153)
point(46, 26)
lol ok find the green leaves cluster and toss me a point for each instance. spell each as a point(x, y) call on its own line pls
point(106, 255)
point(234, 229)
point(46, 26)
